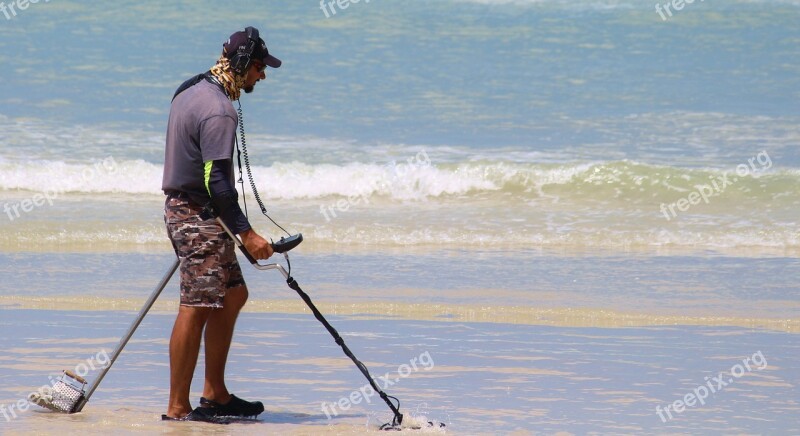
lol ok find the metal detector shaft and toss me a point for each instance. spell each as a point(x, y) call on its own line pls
point(317, 314)
point(122, 342)
point(292, 283)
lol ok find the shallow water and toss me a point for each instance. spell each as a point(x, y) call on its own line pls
point(690, 286)
point(478, 378)
point(585, 124)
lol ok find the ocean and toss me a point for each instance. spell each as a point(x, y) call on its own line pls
point(582, 166)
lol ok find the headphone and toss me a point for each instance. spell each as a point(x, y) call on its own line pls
point(241, 61)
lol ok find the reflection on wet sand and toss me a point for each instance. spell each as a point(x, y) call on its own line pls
point(484, 378)
point(561, 317)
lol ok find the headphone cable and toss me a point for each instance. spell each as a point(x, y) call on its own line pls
point(243, 152)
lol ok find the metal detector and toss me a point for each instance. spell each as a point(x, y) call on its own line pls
point(283, 246)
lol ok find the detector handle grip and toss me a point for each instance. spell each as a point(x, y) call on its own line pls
point(282, 246)
point(286, 244)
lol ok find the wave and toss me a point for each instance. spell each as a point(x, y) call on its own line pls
point(420, 180)
point(99, 176)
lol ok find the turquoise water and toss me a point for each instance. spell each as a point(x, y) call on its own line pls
point(529, 123)
point(482, 73)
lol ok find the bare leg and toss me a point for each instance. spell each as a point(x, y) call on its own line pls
point(184, 346)
point(218, 336)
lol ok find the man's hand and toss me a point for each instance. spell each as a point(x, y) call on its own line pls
point(257, 246)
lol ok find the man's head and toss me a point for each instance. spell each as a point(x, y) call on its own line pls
point(244, 48)
point(243, 62)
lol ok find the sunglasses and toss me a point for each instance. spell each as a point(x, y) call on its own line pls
point(260, 67)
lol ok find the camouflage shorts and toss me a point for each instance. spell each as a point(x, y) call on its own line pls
point(208, 265)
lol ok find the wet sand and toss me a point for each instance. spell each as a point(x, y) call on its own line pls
point(518, 343)
point(479, 377)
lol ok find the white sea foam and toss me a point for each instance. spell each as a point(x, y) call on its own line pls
point(402, 181)
point(101, 175)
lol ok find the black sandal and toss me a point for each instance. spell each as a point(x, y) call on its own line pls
point(235, 407)
point(200, 414)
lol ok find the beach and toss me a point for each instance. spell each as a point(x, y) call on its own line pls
point(524, 216)
point(481, 378)
point(498, 361)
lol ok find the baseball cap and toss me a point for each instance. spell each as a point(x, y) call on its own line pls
point(239, 42)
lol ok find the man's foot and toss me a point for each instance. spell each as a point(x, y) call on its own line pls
point(235, 407)
point(200, 414)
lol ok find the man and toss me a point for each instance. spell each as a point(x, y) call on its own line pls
point(198, 171)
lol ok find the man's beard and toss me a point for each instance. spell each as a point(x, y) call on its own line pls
point(249, 89)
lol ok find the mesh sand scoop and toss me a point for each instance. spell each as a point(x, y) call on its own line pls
point(65, 395)
point(68, 394)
